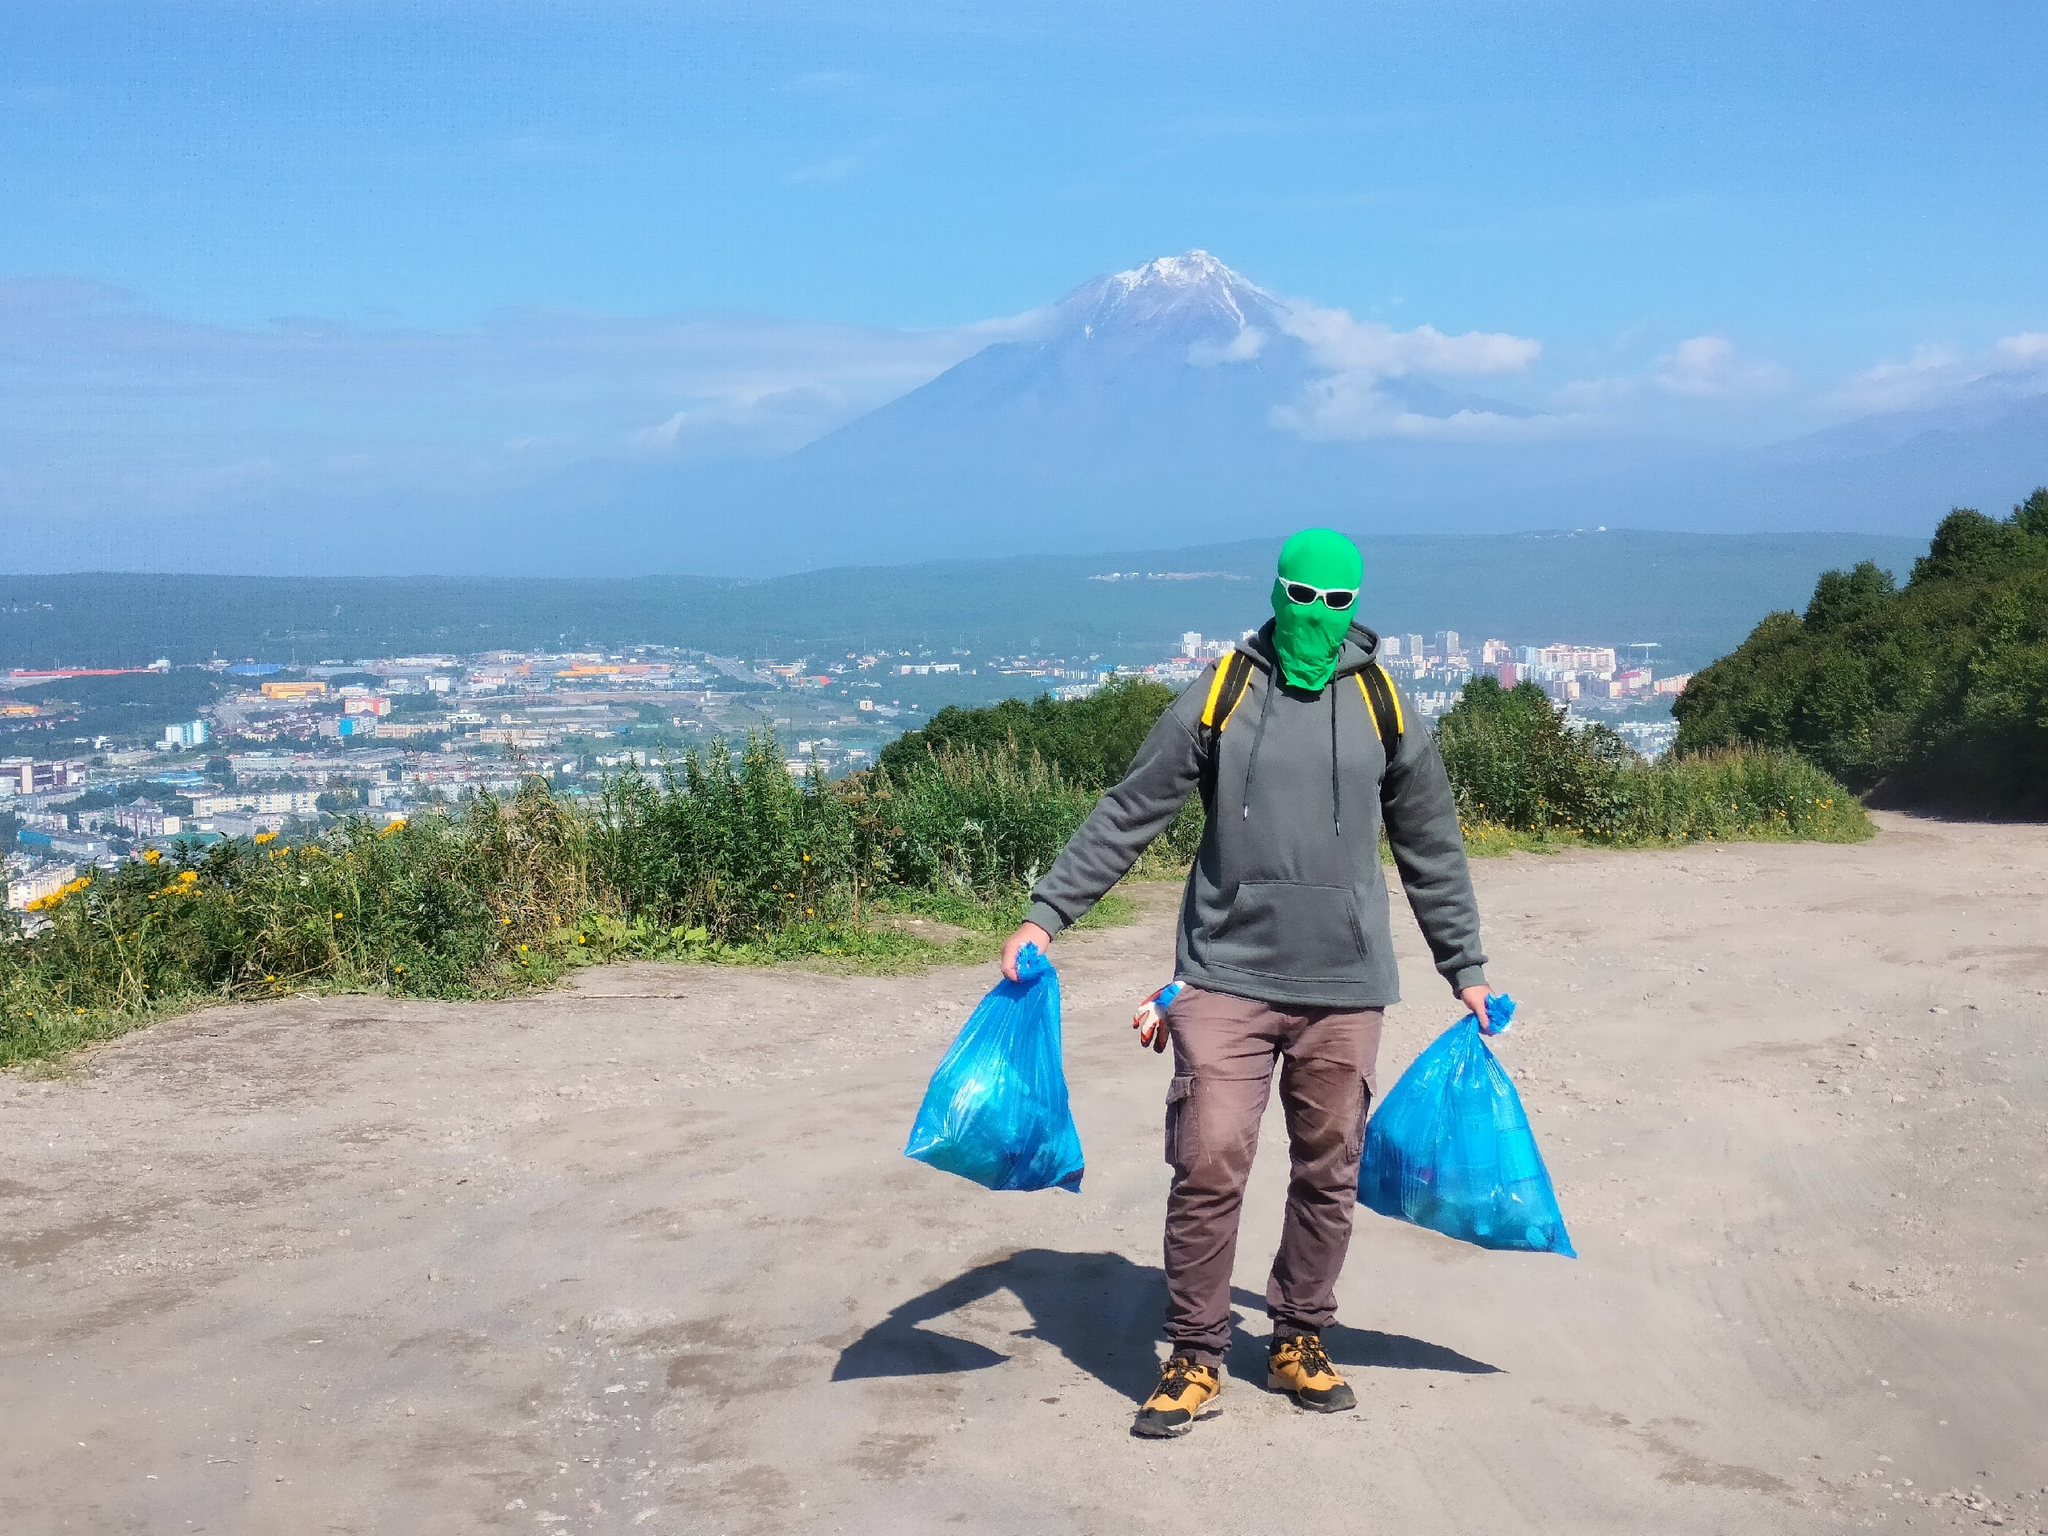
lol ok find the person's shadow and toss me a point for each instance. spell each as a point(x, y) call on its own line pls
point(1102, 1312)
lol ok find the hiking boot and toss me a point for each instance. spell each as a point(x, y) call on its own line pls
point(1184, 1393)
point(1298, 1365)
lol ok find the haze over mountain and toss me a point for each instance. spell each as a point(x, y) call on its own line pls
point(1179, 400)
point(1174, 403)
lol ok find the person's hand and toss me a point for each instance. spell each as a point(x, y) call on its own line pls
point(1150, 1020)
point(1474, 999)
point(1027, 933)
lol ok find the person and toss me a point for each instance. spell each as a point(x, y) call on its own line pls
point(1284, 951)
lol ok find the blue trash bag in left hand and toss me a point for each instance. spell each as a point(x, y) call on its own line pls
point(1450, 1148)
point(996, 1111)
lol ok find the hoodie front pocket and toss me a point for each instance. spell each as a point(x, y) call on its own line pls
point(1280, 928)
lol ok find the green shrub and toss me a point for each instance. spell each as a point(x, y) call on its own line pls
point(1088, 742)
point(723, 854)
point(1934, 694)
point(974, 819)
point(1747, 793)
point(730, 843)
point(1515, 762)
point(438, 906)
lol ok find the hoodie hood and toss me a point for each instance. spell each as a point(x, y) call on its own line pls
point(1360, 648)
point(1357, 651)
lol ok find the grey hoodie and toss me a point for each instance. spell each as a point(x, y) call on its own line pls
point(1286, 902)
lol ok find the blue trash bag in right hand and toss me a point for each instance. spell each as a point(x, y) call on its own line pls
point(1450, 1148)
point(996, 1111)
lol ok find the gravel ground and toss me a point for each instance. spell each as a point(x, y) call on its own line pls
point(643, 1255)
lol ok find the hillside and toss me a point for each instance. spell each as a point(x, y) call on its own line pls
point(1934, 694)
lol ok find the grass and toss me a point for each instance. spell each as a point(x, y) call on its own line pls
point(725, 857)
point(1520, 769)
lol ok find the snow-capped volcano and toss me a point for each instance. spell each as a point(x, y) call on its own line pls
point(1175, 369)
point(1194, 295)
point(1173, 401)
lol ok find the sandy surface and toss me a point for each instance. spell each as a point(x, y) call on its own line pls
point(646, 1256)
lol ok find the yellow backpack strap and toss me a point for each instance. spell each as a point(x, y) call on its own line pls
point(1384, 705)
point(1226, 691)
point(1215, 691)
point(1366, 694)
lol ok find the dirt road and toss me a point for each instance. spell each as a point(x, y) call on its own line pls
point(645, 1256)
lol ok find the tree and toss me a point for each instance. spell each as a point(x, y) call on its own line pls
point(1967, 543)
point(1089, 742)
point(1843, 597)
point(2031, 515)
point(1934, 694)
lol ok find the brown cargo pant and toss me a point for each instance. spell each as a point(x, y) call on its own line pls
point(1223, 1053)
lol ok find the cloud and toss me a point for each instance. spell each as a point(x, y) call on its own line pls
point(834, 167)
point(1353, 405)
point(2016, 363)
point(1338, 342)
point(1709, 367)
point(1596, 395)
point(1337, 414)
point(1247, 344)
point(1360, 357)
point(2026, 351)
point(107, 405)
point(1701, 369)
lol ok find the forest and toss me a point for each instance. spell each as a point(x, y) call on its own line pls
point(1933, 695)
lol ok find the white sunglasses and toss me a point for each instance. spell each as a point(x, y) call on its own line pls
point(1334, 598)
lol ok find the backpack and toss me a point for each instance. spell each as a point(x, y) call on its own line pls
point(1226, 690)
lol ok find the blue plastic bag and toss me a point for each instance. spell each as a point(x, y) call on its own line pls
point(996, 1111)
point(1450, 1149)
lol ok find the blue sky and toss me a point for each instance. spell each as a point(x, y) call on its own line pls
point(417, 237)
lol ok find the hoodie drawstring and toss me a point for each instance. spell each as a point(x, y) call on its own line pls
point(1258, 737)
point(1336, 789)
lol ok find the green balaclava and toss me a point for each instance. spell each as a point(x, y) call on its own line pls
point(1308, 636)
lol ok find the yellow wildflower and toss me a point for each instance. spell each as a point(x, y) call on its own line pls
point(265, 837)
point(151, 855)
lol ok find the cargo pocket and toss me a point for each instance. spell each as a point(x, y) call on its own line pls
point(1357, 1142)
point(1180, 1122)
